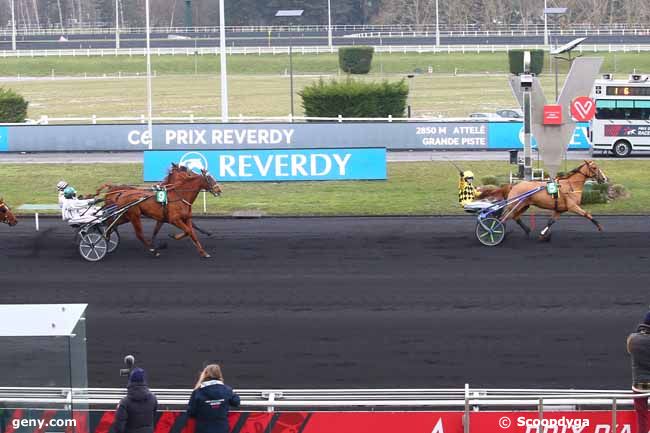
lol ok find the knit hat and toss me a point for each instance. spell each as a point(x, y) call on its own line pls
point(646, 320)
point(137, 376)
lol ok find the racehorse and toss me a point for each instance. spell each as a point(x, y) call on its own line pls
point(6, 216)
point(177, 211)
point(175, 174)
point(568, 200)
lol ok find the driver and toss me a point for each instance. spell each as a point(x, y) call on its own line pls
point(75, 210)
point(467, 193)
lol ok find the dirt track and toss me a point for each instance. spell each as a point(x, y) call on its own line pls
point(350, 302)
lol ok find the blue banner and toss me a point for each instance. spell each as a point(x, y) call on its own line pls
point(511, 136)
point(272, 165)
point(4, 138)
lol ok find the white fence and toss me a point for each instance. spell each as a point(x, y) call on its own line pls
point(301, 50)
point(456, 398)
point(621, 29)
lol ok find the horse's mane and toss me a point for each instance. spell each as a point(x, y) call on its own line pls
point(572, 172)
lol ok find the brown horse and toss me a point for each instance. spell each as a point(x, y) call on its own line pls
point(568, 200)
point(176, 174)
point(178, 210)
point(6, 216)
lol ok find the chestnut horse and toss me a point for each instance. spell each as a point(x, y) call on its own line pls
point(569, 198)
point(6, 216)
point(178, 210)
point(174, 175)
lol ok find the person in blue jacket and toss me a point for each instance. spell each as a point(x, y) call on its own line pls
point(211, 401)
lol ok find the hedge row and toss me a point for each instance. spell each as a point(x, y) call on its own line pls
point(13, 107)
point(351, 98)
point(355, 60)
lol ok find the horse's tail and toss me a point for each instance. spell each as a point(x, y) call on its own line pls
point(498, 193)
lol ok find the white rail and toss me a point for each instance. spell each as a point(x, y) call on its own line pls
point(460, 398)
point(301, 50)
point(46, 120)
point(446, 30)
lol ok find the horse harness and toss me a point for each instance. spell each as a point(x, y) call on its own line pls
point(556, 181)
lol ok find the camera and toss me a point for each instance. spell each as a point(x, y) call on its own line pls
point(129, 361)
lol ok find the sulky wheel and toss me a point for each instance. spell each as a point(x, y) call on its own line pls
point(113, 240)
point(490, 231)
point(92, 245)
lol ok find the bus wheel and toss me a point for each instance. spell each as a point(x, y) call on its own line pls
point(622, 148)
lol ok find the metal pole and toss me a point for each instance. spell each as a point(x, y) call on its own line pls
point(117, 24)
point(291, 72)
point(528, 151)
point(329, 24)
point(556, 79)
point(149, 97)
point(614, 420)
point(13, 26)
point(222, 54)
point(545, 26)
point(437, 26)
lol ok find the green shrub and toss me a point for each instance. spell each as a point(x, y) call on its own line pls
point(593, 193)
point(618, 191)
point(13, 107)
point(516, 61)
point(355, 60)
point(352, 98)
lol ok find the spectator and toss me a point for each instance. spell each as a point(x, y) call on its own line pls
point(136, 412)
point(211, 401)
point(638, 345)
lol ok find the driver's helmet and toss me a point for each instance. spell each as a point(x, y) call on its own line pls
point(467, 175)
point(61, 185)
point(69, 192)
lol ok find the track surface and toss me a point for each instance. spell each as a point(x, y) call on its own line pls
point(349, 302)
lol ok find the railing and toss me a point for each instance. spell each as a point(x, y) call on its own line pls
point(142, 119)
point(301, 50)
point(518, 29)
point(459, 399)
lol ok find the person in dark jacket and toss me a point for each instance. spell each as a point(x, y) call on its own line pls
point(638, 346)
point(211, 401)
point(136, 412)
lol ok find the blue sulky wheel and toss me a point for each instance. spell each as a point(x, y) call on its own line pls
point(92, 245)
point(490, 231)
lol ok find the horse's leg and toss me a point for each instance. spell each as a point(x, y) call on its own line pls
point(545, 234)
point(183, 235)
point(186, 226)
point(520, 223)
point(580, 211)
point(139, 233)
point(156, 230)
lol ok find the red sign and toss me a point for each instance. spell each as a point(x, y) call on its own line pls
point(350, 422)
point(583, 109)
point(552, 114)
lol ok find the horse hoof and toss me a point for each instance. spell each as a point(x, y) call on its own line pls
point(154, 252)
point(206, 256)
point(544, 238)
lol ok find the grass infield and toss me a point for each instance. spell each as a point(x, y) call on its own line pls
point(258, 85)
point(412, 188)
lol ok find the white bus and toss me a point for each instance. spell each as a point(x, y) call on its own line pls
point(622, 120)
